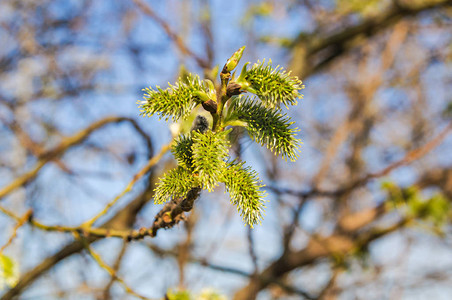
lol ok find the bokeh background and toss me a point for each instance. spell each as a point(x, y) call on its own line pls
point(364, 213)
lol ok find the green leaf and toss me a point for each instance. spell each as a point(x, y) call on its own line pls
point(272, 85)
point(269, 127)
point(366, 8)
point(209, 153)
point(176, 101)
point(435, 209)
point(176, 183)
point(205, 294)
point(210, 294)
point(438, 209)
point(9, 273)
point(178, 295)
point(244, 186)
point(447, 112)
point(395, 194)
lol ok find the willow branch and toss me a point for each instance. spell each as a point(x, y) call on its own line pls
point(146, 9)
point(122, 220)
point(203, 262)
point(338, 243)
point(20, 222)
point(111, 271)
point(151, 163)
point(58, 150)
point(317, 248)
point(115, 267)
point(410, 157)
point(328, 48)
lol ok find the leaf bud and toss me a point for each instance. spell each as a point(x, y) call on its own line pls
point(233, 61)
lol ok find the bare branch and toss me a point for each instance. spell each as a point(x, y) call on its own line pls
point(61, 148)
point(146, 9)
point(313, 52)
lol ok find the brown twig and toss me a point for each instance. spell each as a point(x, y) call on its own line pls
point(173, 212)
point(317, 248)
point(57, 151)
point(413, 155)
point(337, 243)
point(410, 157)
point(122, 220)
point(146, 9)
point(252, 251)
point(151, 163)
point(205, 263)
point(170, 215)
point(316, 51)
point(116, 266)
point(20, 222)
point(98, 259)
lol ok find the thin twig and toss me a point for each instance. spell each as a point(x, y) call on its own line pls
point(20, 222)
point(203, 262)
point(414, 154)
point(410, 157)
point(151, 163)
point(146, 9)
point(171, 214)
point(251, 250)
point(112, 272)
point(122, 219)
point(57, 151)
point(116, 267)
